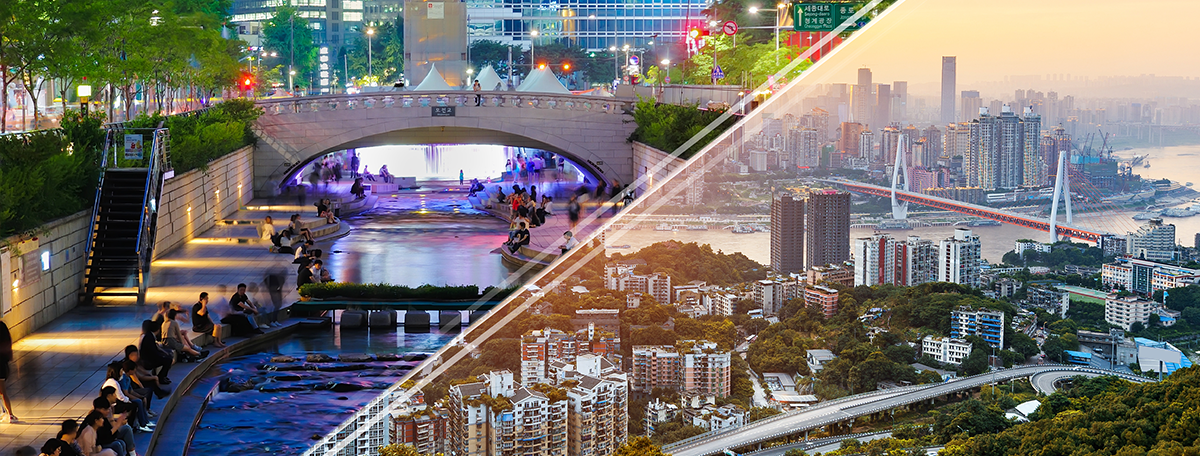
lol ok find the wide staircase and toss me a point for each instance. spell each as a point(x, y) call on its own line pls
point(113, 266)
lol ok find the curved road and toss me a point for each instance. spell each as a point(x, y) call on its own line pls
point(850, 407)
point(1044, 382)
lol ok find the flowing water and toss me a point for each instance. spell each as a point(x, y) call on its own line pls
point(284, 404)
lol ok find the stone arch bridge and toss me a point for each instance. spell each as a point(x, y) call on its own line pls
point(589, 131)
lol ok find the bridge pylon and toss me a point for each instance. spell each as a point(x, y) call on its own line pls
point(1062, 187)
point(899, 172)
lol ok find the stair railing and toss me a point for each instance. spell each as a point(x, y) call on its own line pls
point(158, 161)
point(95, 220)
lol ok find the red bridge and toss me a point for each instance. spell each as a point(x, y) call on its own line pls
point(1083, 234)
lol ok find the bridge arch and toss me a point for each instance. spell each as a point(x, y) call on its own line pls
point(589, 131)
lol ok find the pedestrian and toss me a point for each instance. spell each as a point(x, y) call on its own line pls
point(520, 239)
point(573, 209)
point(627, 199)
point(354, 165)
point(274, 284)
point(241, 312)
point(268, 233)
point(6, 356)
point(569, 244)
point(478, 93)
point(460, 172)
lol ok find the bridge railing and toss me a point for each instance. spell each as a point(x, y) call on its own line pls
point(427, 100)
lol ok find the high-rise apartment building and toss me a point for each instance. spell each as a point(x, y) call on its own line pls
point(996, 149)
point(1034, 168)
point(812, 229)
point(986, 324)
point(949, 65)
point(698, 368)
point(880, 259)
point(787, 234)
point(851, 135)
point(598, 412)
point(861, 105)
point(958, 258)
point(933, 144)
point(826, 227)
point(518, 421)
point(889, 138)
point(621, 278)
point(1153, 241)
point(423, 427)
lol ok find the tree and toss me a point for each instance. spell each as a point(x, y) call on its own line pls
point(386, 58)
point(287, 34)
point(1137, 327)
point(639, 446)
point(398, 449)
point(1023, 344)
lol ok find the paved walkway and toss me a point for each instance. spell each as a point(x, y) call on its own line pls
point(58, 370)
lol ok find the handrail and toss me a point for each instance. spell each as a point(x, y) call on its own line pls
point(428, 99)
point(153, 184)
point(91, 238)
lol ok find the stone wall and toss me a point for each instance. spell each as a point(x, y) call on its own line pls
point(645, 158)
point(42, 294)
point(194, 201)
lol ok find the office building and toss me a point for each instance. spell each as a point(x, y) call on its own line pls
point(958, 258)
point(949, 65)
point(880, 259)
point(883, 104)
point(946, 350)
point(1123, 312)
point(333, 23)
point(983, 323)
point(1154, 241)
point(594, 25)
point(862, 102)
point(821, 298)
point(435, 33)
point(900, 101)
point(826, 227)
point(970, 105)
point(787, 234)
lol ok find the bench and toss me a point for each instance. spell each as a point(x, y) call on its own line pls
point(202, 340)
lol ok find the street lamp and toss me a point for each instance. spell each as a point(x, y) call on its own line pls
point(780, 7)
point(370, 70)
point(470, 71)
point(532, 41)
point(616, 67)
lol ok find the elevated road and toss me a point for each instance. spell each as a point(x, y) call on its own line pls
point(851, 407)
point(1002, 216)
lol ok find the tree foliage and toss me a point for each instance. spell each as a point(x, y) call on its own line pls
point(667, 127)
point(692, 261)
point(1105, 416)
point(288, 36)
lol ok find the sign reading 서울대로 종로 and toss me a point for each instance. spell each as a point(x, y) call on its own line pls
point(824, 17)
point(443, 111)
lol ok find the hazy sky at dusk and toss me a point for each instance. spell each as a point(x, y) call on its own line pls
point(994, 39)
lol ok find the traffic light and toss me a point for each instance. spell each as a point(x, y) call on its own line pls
point(246, 81)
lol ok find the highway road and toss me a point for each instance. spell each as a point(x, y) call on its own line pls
point(1044, 382)
point(843, 409)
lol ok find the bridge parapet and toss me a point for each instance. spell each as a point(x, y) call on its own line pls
point(420, 100)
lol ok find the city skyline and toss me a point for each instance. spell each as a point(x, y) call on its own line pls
point(909, 46)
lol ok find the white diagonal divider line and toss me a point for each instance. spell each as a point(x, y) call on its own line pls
point(403, 397)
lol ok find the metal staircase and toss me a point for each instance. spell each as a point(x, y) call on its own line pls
point(125, 213)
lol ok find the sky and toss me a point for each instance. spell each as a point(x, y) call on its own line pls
point(995, 39)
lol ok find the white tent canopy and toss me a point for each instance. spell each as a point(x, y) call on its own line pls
point(544, 81)
point(487, 79)
point(433, 81)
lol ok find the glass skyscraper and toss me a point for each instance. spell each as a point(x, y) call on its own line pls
point(594, 25)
